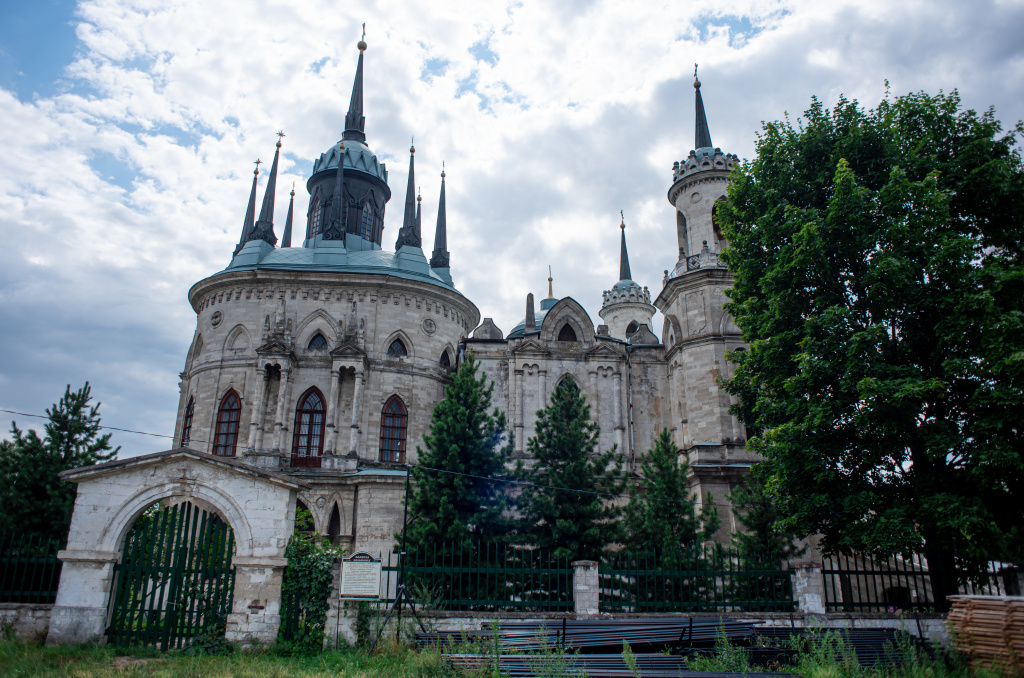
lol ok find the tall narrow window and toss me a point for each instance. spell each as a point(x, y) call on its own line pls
point(309, 430)
point(366, 223)
point(314, 220)
point(186, 423)
point(397, 349)
point(334, 525)
point(226, 436)
point(317, 343)
point(393, 423)
point(567, 333)
point(446, 362)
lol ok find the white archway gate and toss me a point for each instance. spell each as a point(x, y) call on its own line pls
point(259, 506)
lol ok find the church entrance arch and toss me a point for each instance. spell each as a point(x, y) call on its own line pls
point(175, 579)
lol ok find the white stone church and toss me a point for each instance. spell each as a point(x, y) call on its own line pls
point(324, 360)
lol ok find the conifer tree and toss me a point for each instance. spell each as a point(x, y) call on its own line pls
point(567, 509)
point(33, 498)
point(456, 504)
point(766, 533)
point(661, 513)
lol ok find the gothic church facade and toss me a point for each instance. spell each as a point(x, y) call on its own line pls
point(325, 359)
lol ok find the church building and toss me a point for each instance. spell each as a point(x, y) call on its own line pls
point(325, 359)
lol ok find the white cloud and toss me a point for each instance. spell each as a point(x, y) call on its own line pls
point(119, 193)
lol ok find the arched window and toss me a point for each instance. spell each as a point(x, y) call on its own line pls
point(681, 234)
point(393, 423)
point(303, 518)
point(567, 333)
point(186, 423)
point(314, 220)
point(397, 349)
point(445, 362)
point(631, 328)
point(317, 343)
point(716, 223)
point(334, 525)
point(366, 223)
point(568, 382)
point(309, 430)
point(226, 436)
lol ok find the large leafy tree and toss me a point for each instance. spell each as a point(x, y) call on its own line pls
point(457, 494)
point(879, 265)
point(661, 513)
point(568, 506)
point(33, 498)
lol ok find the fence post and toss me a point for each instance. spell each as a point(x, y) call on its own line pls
point(808, 587)
point(585, 589)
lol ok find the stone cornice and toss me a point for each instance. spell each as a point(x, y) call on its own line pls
point(691, 280)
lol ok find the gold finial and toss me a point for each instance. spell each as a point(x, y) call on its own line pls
point(280, 135)
point(293, 189)
point(442, 170)
point(257, 163)
point(362, 41)
point(419, 194)
point(551, 294)
point(412, 145)
point(696, 82)
point(623, 224)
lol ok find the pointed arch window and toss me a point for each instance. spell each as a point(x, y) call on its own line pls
point(334, 525)
point(314, 219)
point(366, 223)
point(317, 343)
point(394, 421)
point(397, 349)
point(569, 383)
point(308, 446)
point(226, 435)
point(445, 362)
point(567, 333)
point(186, 422)
point(631, 328)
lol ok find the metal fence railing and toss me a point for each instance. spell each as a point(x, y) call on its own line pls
point(698, 579)
point(29, 569)
point(862, 583)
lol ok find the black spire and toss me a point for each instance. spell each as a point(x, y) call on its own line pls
point(703, 135)
point(335, 229)
point(419, 221)
point(355, 123)
point(624, 273)
point(439, 259)
point(286, 238)
point(409, 234)
point(264, 229)
point(250, 212)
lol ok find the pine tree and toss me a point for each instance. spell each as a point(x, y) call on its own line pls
point(33, 498)
point(567, 509)
point(661, 513)
point(451, 500)
point(767, 532)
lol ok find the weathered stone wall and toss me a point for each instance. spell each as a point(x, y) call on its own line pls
point(28, 621)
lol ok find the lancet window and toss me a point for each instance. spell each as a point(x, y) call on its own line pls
point(397, 349)
point(226, 435)
point(308, 445)
point(317, 343)
point(394, 421)
point(186, 423)
point(567, 333)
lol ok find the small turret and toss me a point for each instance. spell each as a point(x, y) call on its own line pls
point(250, 212)
point(440, 258)
point(626, 306)
point(409, 234)
point(264, 228)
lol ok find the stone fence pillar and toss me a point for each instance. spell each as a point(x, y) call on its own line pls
point(80, 613)
point(808, 587)
point(585, 588)
point(256, 608)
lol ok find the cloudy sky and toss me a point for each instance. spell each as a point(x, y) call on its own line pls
point(128, 131)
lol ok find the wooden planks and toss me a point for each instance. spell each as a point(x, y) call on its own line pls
point(989, 629)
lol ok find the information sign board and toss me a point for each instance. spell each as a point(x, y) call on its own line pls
point(360, 577)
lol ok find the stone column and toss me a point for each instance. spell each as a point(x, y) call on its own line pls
point(675, 426)
point(542, 391)
point(593, 394)
point(808, 587)
point(282, 399)
point(586, 589)
point(256, 608)
point(357, 397)
point(520, 443)
point(80, 613)
point(617, 416)
point(332, 408)
point(259, 409)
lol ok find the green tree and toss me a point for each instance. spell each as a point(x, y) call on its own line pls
point(33, 498)
point(766, 532)
point(451, 500)
point(879, 285)
point(661, 513)
point(568, 508)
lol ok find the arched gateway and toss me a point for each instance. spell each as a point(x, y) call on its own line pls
point(257, 508)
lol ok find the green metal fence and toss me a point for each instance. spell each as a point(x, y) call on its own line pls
point(484, 577)
point(29, 569)
point(699, 579)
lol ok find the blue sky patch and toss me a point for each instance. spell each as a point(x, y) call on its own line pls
point(481, 51)
point(741, 29)
point(37, 42)
point(112, 169)
point(435, 66)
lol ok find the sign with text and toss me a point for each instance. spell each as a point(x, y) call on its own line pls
point(360, 577)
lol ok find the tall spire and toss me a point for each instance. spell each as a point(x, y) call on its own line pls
point(419, 221)
point(624, 273)
point(355, 123)
point(265, 224)
point(703, 135)
point(250, 212)
point(335, 228)
point(409, 234)
point(286, 238)
point(440, 256)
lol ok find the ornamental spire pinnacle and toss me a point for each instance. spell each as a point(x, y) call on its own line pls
point(409, 234)
point(551, 294)
point(335, 228)
point(624, 273)
point(702, 137)
point(440, 258)
point(286, 238)
point(264, 228)
point(250, 212)
point(355, 122)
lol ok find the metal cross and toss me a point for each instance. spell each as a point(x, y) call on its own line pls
point(258, 163)
point(280, 135)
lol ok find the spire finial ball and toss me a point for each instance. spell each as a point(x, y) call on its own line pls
point(361, 45)
point(696, 84)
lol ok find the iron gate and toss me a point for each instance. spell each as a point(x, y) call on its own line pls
point(175, 580)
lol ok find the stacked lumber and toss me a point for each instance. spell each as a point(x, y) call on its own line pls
point(989, 630)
